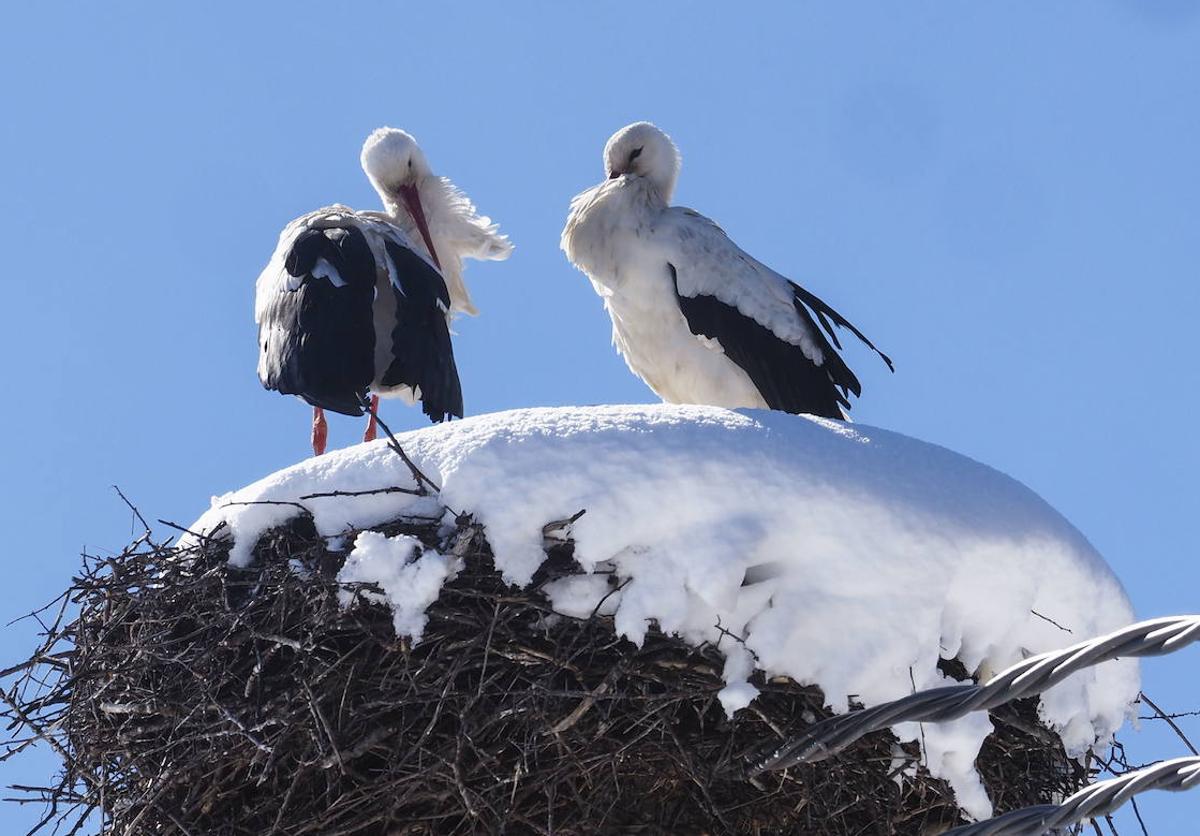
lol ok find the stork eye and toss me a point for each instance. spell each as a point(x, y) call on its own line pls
point(637, 152)
point(410, 163)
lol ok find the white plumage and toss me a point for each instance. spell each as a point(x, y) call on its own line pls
point(694, 316)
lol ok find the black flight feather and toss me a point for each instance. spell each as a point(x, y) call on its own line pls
point(423, 355)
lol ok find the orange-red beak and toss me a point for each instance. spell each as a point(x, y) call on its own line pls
point(413, 201)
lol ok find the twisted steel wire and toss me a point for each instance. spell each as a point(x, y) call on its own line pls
point(1099, 799)
point(1155, 637)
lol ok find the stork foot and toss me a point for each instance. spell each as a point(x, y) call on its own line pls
point(320, 431)
point(372, 424)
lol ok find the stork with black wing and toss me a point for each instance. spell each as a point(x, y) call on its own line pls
point(357, 304)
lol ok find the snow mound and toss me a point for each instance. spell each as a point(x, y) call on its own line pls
point(409, 576)
point(840, 555)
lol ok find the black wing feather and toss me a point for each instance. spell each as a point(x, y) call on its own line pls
point(823, 310)
point(318, 341)
point(784, 376)
point(421, 348)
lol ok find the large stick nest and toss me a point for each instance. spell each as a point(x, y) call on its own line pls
point(191, 697)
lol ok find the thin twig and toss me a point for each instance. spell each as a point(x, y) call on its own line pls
point(418, 476)
point(393, 489)
point(1163, 716)
point(233, 503)
point(1052, 621)
point(133, 508)
point(201, 537)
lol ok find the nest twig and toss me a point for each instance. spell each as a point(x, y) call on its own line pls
point(188, 696)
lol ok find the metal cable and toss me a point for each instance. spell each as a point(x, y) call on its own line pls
point(1155, 637)
point(1099, 799)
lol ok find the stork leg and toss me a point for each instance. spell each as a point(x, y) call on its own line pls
point(372, 424)
point(320, 431)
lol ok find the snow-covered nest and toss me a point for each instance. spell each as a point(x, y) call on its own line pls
point(589, 627)
point(840, 556)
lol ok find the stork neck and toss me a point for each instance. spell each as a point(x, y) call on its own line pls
point(664, 185)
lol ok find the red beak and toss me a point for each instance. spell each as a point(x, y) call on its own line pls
point(413, 201)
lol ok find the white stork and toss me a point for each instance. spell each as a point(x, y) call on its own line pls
point(353, 303)
point(695, 317)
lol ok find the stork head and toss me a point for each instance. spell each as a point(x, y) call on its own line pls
point(396, 168)
point(643, 150)
point(392, 159)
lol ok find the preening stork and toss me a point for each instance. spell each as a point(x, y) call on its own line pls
point(353, 304)
point(695, 317)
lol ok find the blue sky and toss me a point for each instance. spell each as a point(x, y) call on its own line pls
point(1005, 198)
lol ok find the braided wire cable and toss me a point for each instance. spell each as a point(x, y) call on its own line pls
point(1155, 637)
point(1098, 799)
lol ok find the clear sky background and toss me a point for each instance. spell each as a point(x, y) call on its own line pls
point(1006, 199)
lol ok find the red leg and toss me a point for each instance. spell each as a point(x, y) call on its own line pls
point(371, 432)
point(320, 431)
